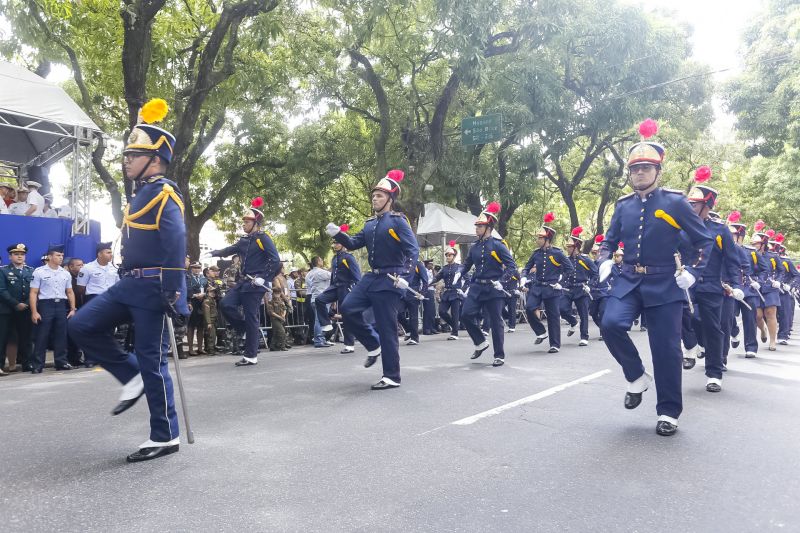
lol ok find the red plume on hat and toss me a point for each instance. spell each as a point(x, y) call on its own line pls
point(648, 128)
point(576, 231)
point(344, 228)
point(549, 217)
point(599, 239)
point(621, 245)
point(702, 174)
point(734, 217)
point(759, 225)
point(257, 202)
point(396, 175)
point(779, 238)
point(493, 208)
point(770, 233)
point(452, 244)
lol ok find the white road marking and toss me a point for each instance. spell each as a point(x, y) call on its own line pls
point(522, 401)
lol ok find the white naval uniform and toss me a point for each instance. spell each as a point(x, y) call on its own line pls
point(97, 278)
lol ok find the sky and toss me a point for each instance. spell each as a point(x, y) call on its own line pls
point(718, 25)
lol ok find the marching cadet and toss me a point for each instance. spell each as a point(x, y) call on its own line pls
point(345, 273)
point(717, 282)
point(493, 265)
point(15, 311)
point(730, 306)
point(546, 267)
point(787, 276)
point(260, 263)
point(392, 252)
point(511, 286)
point(152, 288)
point(767, 312)
point(96, 277)
point(576, 286)
point(51, 291)
point(649, 221)
point(452, 296)
point(429, 326)
point(417, 280)
point(599, 291)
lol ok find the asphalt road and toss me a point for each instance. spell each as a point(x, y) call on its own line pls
point(300, 443)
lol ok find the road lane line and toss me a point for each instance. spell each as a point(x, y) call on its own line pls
point(522, 401)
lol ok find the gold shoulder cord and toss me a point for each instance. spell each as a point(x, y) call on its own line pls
point(163, 197)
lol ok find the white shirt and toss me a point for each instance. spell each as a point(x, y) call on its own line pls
point(18, 208)
point(3, 207)
point(50, 213)
point(97, 278)
point(52, 284)
point(64, 212)
point(34, 198)
point(317, 280)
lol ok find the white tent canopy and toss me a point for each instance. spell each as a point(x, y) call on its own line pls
point(441, 224)
point(39, 122)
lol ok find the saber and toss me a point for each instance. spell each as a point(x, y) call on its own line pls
point(680, 269)
point(417, 295)
point(179, 379)
point(590, 291)
point(729, 289)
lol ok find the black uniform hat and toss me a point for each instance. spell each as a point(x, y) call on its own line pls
point(55, 248)
point(21, 248)
point(102, 246)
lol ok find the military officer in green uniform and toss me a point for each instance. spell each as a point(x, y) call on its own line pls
point(15, 313)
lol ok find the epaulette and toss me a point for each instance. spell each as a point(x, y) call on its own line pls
point(373, 217)
point(673, 191)
point(556, 248)
point(748, 247)
point(721, 223)
point(629, 195)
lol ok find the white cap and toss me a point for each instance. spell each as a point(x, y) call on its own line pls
point(33, 184)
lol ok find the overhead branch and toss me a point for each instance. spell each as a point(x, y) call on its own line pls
point(235, 178)
point(367, 73)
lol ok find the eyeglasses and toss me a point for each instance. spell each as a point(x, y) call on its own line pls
point(641, 168)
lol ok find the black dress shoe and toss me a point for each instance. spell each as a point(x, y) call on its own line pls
point(384, 385)
point(540, 340)
point(701, 355)
point(145, 454)
point(713, 387)
point(633, 399)
point(477, 353)
point(124, 405)
point(735, 344)
point(666, 429)
point(552, 349)
point(347, 350)
point(688, 363)
point(371, 360)
point(65, 367)
point(245, 362)
point(36, 371)
point(498, 362)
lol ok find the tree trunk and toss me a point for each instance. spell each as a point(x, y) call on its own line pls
point(137, 47)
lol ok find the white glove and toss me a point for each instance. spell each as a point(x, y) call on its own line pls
point(776, 284)
point(332, 229)
point(205, 256)
point(737, 294)
point(517, 293)
point(786, 287)
point(258, 282)
point(462, 293)
point(586, 289)
point(755, 285)
point(419, 297)
point(605, 269)
point(557, 286)
point(684, 279)
point(400, 283)
point(523, 282)
point(497, 285)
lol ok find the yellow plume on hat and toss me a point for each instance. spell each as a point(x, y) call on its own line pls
point(154, 111)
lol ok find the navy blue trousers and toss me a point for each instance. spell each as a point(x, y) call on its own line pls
point(596, 309)
point(582, 305)
point(384, 306)
point(728, 319)
point(551, 307)
point(330, 295)
point(244, 320)
point(785, 315)
point(664, 335)
point(429, 313)
point(708, 319)
point(691, 337)
point(409, 306)
point(493, 306)
point(92, 329)
point(510, 310)
point(749, 323)
point(450, 311)
point(53, 325)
